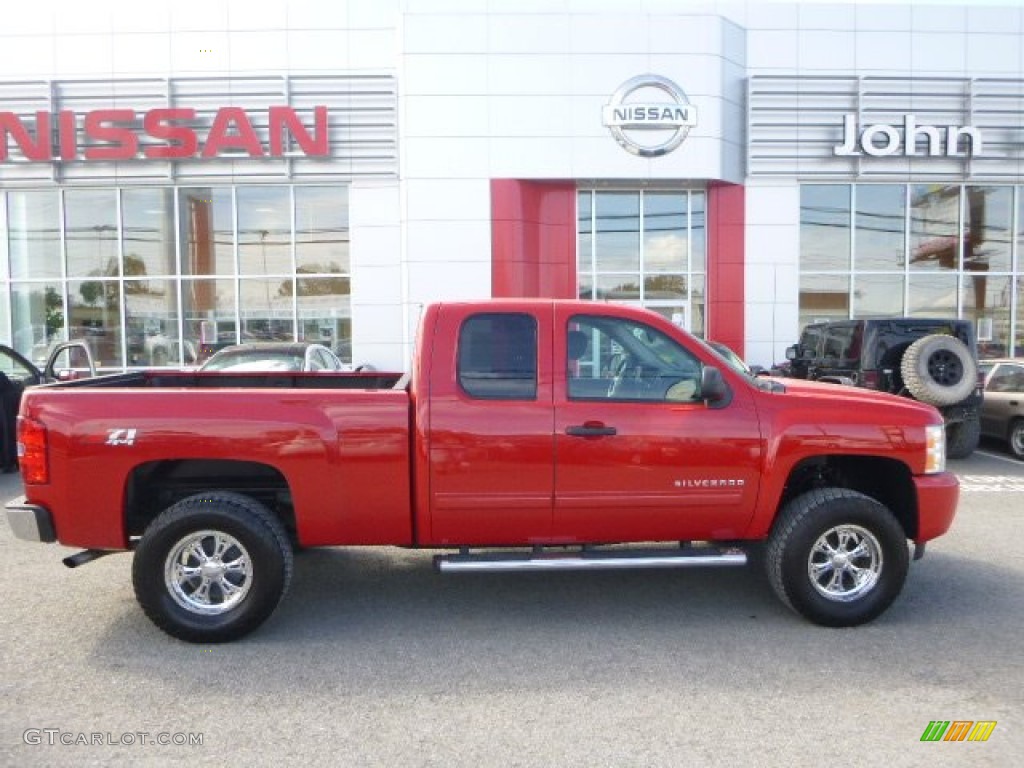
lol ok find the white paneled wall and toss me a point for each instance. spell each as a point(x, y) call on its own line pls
point(378, 277)
point(772, 272)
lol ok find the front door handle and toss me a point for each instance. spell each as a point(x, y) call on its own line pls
point(590, 429)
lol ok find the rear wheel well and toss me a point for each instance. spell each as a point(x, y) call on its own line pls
point(156, 486)
point(887, 480)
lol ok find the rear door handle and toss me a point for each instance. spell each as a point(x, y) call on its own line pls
point(590, 429)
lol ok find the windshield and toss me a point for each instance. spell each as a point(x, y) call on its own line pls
point(735, 361)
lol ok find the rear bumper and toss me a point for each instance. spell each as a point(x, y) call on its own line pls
point(937, 497)
point(30, 522)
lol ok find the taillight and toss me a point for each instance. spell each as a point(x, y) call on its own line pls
point(32, 460)
point(871, 380)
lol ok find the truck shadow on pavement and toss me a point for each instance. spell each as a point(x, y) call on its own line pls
point(364, 618)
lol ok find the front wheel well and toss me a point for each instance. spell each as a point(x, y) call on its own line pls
point(886, 480)
point(155, 486)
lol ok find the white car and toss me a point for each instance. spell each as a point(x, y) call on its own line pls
point(286, 356)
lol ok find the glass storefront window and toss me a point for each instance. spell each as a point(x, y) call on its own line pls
point(878, 295)
point(664, 287)
point(932, 295)
point(586, 285)
point(325, 313)
point(94, 316)
point(617, 236)
point(934, 227)
point(824, 227)
point(665, 232)
point(1019, 262)
point(698, 233)
point(987, 227)
point(618, 287)
point(151, 321)
point(264, 231)
point(208, 316)
point(824, 297)
point(33, 229)
point(37, 317)
point(962, 258)
point(880, 233)
point(1018, 333)
point(646, 247)
point(321, 230)
point(585, 244)
point(207, 231)
point(266, 307)
point(148, 232)
point(152, 276)
point(986, 301)
point(5, 261)
point(697, 305)
point(90, 233)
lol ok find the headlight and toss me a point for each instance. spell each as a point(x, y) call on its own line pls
point(935, 458)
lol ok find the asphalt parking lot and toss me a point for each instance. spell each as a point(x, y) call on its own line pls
point(374, 660)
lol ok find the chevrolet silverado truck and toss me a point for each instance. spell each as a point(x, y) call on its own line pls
point(527, 435)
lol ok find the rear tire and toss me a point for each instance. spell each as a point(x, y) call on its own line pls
point(837, 557)
point(212, 567)
point(962, 438)
point(1015, 438)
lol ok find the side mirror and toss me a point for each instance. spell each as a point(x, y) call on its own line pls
point(793, 352)
point(713, 389)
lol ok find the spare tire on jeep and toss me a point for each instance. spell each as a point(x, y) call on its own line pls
point(939, 370)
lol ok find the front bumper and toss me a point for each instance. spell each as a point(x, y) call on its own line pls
point(937, 497)
point(30, 522)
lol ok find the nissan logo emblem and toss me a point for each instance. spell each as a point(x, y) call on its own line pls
point(669, 119)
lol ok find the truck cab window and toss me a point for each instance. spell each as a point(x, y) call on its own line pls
point(498, 356)
point(619, 359)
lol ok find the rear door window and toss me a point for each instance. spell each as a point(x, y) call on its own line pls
point(497, 356)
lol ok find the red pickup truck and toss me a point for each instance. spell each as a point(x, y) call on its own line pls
point(529, 435)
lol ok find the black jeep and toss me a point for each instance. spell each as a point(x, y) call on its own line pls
point(934, 360)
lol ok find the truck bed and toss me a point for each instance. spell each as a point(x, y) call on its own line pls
point(159, 379)
point(334, 445)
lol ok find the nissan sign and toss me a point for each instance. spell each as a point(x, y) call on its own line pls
point(164, 133)
point(650, 106)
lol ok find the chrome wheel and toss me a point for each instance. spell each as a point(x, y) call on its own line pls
point(1017, 439)
point(208, 572)
point(845, 563)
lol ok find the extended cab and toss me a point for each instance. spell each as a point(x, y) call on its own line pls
point(527, 435)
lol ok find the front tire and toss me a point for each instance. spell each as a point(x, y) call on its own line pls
point(837, 557)
point(212, 567)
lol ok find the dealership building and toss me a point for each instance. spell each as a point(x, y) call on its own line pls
point(181, 175)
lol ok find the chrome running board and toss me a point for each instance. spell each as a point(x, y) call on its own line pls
point(588, 560)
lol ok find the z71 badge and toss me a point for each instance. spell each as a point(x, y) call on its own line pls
point(120, 437)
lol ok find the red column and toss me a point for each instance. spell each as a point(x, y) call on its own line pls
point(726, 267)
point(533, 239)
